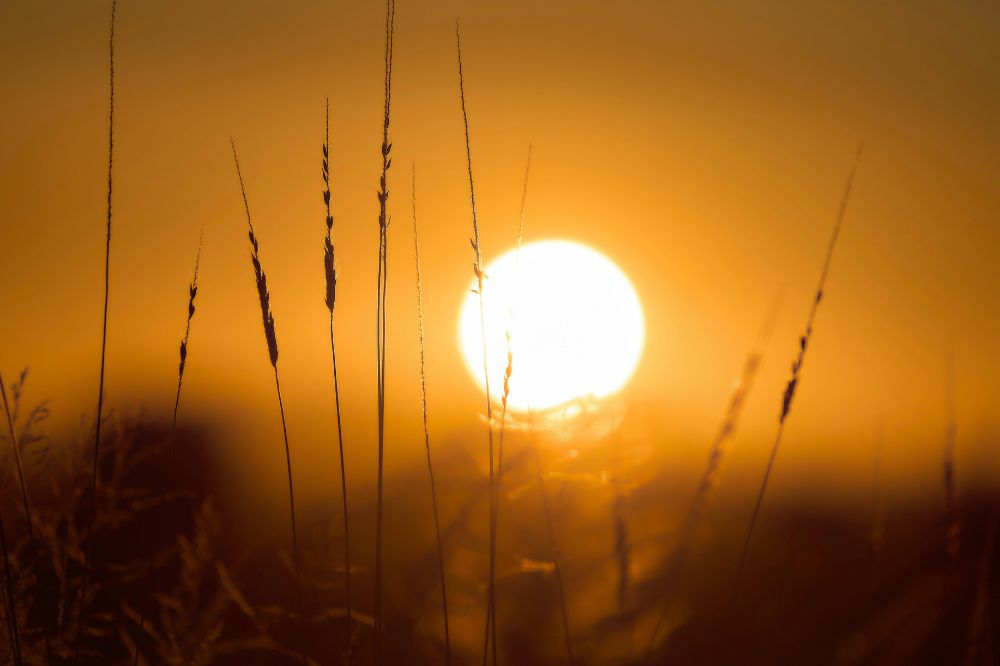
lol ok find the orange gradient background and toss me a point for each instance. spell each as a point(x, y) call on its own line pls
point(705, 154)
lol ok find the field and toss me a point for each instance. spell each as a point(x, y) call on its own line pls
point(684, 345)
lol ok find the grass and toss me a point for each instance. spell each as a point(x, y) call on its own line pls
point(491, 620)
point(10, 607)
point(380, 316)
point(790, 388)
point(211, 606)
point(710, 477)
point(330, 275)
point(168, 465)
point(272, 351)
point(477, 269)
point(427, 435)
point(104, 330)
point(26, 505)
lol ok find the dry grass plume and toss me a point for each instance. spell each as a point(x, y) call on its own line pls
point(330, 274)
point(267, 318)
point(168, 466)
point(789, 394)
point(380, 315)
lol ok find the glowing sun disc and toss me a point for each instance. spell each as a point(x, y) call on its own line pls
point(576, 325)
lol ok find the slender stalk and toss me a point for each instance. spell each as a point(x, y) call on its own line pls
point(272, 348)
point(104, 334)
point(380, 317)
point(710, 477)
point(168, 467)
point(330, 273)
point(789, 394)
point(32, 542)
point(491, 624)
point(291, 488)
point(427, 436)
point(9, 605)
point(477, 268)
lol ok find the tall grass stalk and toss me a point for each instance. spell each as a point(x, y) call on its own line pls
point(330, 273)
point(29, 519)
point(710, 477)
point(427, 436)
point(477, 269)
point(10, 607)
point(380, 316)
point(789, 394)
point(491, 624)
point(272, 349)
point(104, 333)
point(168, 467)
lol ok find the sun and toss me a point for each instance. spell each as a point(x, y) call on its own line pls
point(576, 325)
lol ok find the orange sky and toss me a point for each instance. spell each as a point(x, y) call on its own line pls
point(701, 147)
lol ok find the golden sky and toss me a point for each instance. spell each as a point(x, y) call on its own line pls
point(703, 147)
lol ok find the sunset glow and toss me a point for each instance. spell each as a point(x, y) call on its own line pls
point(576, 325)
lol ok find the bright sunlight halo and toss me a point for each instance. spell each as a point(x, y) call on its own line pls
point(575, 322)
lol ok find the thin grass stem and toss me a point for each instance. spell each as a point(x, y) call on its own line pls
point(380, 318)
point(104, 336)
point(270, 337)
point(167, 479)
point(9, 605)
point(789, 393)
point(330, 273)
point(427, 436)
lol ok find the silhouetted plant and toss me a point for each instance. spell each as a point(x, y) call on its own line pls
point(380, 316)
point(330, 274)
point(477, 269)
point(267, 318)
point(26, 505)
point(789, 394)
point(104, 331)
point(427, 436)
point(168, 466)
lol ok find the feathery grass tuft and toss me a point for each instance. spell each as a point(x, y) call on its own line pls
point(267, 318)
point(104, 333)
point(477, 269)
point(710, 477)
point(330, 272)
point(491, 625)
point(380, 315)
point(168, 467)
point(427, 436)
point(10, 607)
point(789, 394)
point(26, 505)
